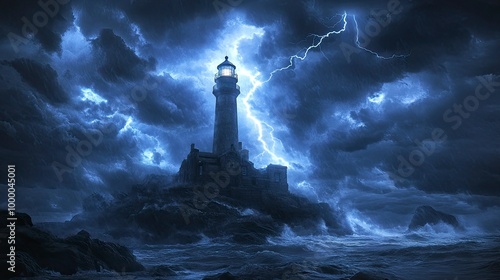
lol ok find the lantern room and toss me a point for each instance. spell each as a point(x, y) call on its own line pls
point(226, 69)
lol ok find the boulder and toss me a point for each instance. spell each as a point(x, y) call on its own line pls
point(105, 254)
point(427, 215)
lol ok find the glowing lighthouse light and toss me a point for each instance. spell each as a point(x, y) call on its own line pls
point(226, 69)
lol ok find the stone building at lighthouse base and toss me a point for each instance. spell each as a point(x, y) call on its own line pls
point(246, 181)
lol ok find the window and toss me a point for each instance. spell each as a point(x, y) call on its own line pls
point(226, 71)
point(277, 177)
point(244, 170)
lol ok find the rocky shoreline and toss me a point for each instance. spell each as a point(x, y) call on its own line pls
point(154, 215)
point(38, 251)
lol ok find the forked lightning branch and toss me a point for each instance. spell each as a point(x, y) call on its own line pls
point(11, 219)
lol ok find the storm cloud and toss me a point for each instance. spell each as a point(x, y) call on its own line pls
point(363, 103)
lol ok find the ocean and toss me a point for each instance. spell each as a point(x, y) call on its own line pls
point(425, 254)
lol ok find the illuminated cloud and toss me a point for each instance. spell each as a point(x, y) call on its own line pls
point(90, 95)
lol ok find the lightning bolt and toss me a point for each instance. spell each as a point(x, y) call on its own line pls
point(370, 51)
point(313, 46)
point(260, 124)
point(268, 146)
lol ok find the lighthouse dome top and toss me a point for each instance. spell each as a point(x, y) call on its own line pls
point(226, 63)
point(226, 69)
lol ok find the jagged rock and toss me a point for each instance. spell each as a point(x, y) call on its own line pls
point(107, 254)
point(27, 265)
point(66, 256)
point(427, 215)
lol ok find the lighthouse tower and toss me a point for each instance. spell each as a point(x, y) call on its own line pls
point(228, 164)
point(226, 120)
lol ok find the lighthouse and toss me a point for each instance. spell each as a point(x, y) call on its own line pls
point(225, 91)
point(228, 159)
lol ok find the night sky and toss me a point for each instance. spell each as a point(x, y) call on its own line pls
point(403, 112)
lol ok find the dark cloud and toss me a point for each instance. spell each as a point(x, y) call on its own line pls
point(33, 137)
point(118, 60)
point(175, 20)
point(170, 105)
point(25, 19)
point(42, 78)
point(164, 28)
